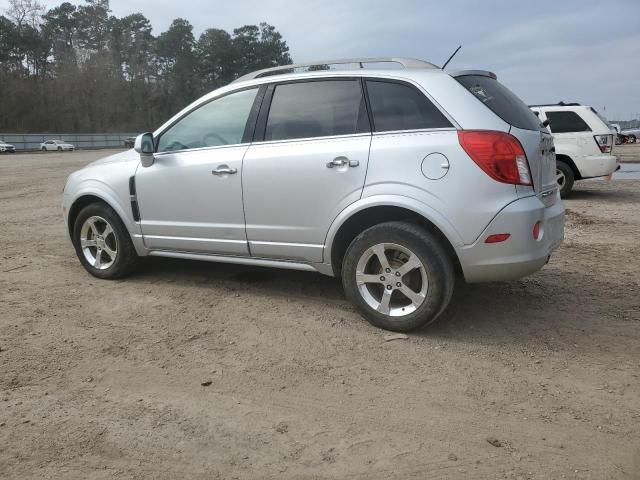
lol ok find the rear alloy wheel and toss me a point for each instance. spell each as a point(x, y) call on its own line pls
point(102, 242)
point(398, 275)
point(565, 178)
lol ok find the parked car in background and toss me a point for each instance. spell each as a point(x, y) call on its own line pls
point(129, 142)
point(583, 141)
point(56, 145)
point(630, 135)
point(7, 147)
point(392, 179)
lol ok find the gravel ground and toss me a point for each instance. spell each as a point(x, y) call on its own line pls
point(198, 370)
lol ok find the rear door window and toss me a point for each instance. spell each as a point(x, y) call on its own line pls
point(316, 109)
point(566, 122)
point(397, 106)
point(502, 101)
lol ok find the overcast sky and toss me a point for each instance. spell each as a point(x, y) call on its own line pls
point(546, 51)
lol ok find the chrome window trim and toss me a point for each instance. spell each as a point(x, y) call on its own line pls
point(213, 147)
point(417, 130)
point(308, 139)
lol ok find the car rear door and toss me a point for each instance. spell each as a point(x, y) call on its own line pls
point(307, 163)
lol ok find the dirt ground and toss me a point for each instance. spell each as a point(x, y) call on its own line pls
point(104, 379)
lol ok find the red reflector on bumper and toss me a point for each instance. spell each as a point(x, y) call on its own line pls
point(497, 237)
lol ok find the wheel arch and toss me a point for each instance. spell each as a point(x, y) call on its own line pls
point(88, 197)
point(350, 224)
point(569, 161)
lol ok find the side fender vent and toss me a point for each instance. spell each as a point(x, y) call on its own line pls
point(134, 200)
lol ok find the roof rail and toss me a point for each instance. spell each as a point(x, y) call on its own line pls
point(405, 62)
point(559, 104)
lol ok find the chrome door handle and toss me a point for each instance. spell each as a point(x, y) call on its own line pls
point(341, 162)
point(225, 171)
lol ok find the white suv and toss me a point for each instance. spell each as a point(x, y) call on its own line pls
point(583, 139)
point(392, 179)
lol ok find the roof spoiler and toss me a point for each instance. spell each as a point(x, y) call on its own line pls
point(477, 73)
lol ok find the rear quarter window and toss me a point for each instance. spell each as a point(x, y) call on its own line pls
point(500, 100)
point(397, 106)
point(566, 122)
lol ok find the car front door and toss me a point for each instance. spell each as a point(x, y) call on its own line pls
point(307, 163)
point(190, 199)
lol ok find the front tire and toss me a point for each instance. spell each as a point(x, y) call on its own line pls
point(102, 242)
point(565, 178)
point(398, 275)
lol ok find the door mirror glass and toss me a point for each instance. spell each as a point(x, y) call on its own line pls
point(144, 146)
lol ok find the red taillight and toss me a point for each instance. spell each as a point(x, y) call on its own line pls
point(605, 142)
point(498, 154)
point(497, 238)
point(536, 231)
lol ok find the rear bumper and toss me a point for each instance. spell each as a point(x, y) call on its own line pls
point(598, 166)
point(520, 255)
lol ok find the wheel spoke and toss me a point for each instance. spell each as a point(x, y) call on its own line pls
point(411, 264)
point(107, 231)
point(416, 298)
point(85, 242)
point(384, 302)
point(93, 227)
point(367, 278)
point(98, 261)
point(110, 252)
point(379, 251)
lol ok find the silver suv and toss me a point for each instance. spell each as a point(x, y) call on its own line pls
point(394, 179)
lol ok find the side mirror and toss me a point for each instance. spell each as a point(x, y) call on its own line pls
point(144, 146)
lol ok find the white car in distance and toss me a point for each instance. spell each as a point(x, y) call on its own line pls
point(7, 147)
point(583, 142)
point(56, 146)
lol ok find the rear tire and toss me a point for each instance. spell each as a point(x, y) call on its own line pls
point(44, 149)
point(565, 178)
point(398, 275)
point(103, 243)
point(59, 149)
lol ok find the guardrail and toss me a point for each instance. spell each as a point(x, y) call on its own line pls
point(32, 141)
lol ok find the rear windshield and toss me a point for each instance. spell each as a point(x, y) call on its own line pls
point(502, 101)
point(603, 118)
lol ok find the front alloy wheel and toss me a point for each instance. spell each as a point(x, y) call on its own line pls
point(103, 243)
point(98, 242)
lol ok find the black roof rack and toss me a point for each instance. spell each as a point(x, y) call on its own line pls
point(559, 104)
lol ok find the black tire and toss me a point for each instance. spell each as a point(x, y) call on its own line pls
point(59, 149)
point(567, 185)
point(437, 264)
point(126, 258)
point(44, 149)
point(632, 139)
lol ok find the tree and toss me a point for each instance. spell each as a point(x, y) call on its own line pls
point(216, 55)
point(78, 68)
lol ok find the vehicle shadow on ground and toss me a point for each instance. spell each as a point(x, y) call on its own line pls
point(531, 310)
